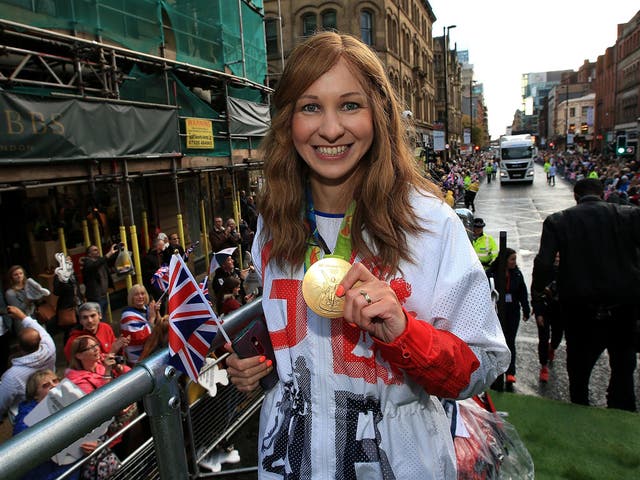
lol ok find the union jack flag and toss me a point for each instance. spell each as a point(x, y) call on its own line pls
point(134, 324)
point(190, 250)
point(192, 323)
point(161, 278)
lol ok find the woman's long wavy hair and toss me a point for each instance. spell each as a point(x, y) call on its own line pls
point(384, 178)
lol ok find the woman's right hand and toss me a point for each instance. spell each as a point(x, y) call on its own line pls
point(245, 373)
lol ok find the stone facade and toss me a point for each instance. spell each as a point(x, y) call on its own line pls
point(399, 31)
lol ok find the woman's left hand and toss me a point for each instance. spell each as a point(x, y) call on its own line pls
point(371, 304)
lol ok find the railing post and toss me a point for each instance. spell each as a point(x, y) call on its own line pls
point(162, 406)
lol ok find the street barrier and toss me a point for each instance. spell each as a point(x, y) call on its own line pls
point(183, 431)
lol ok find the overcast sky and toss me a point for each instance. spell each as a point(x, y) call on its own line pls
point(507, 38)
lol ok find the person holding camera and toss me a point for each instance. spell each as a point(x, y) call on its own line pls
point(95, 274)
point(89, 368)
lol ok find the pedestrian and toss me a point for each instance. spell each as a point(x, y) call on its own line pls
point(548, 315)
point(488, 169)
point(226, 269)
point(37, 350)
point(484, 244)
point(6, 335)
point(217, 236)
point(546, 166)
point(137, 321)
point(151, 262)
point(38, 386)
point(16, 294)
point(374, 299)
point(516, 300)
point(172, 248)
point(552, 175)
point(90, 319)
point(95, 274)
point(598, 288)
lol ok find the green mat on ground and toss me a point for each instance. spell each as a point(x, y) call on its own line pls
point(573, 442)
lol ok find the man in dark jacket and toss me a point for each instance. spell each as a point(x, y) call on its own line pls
point(95, 274)
point(598, 288)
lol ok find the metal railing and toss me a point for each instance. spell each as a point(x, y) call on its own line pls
point(180, 437)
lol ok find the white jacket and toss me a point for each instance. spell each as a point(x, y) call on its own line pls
point(14, 381)
point(340, 410)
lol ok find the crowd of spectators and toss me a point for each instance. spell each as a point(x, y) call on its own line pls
point(620, 176)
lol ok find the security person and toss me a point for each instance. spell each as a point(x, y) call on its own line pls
point(598, 282)
point(484, 245)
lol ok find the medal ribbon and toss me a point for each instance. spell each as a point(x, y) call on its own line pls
point(343, 243)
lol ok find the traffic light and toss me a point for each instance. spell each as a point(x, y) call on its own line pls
point(621, 145)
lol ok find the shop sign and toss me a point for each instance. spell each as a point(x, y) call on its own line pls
point(199, 133)
point(50, 128)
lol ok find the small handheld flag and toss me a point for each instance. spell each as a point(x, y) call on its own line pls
point(192, 323)
point(160, 279)
point(189, 250)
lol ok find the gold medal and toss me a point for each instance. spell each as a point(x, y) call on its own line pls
point(319, 286)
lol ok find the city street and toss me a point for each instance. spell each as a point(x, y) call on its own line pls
point(520, 210)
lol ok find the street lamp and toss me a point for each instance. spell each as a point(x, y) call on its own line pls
point(471, 82)
point(445, 41)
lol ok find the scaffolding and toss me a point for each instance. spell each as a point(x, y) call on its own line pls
point(198, 58)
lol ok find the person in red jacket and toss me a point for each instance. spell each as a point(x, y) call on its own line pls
point(90, 316)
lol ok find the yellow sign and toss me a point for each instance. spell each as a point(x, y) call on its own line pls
point(199, 133)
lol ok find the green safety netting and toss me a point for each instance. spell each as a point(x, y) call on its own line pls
point(209, 33)
point(151, 88)
point(206, 33)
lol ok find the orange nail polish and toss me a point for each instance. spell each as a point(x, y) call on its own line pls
point(262, 359)
point(269, 363)
point(340, 291)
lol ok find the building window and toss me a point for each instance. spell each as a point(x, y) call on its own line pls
point(366, 27)
point(271, 36)
point(329, 20)
point(309, 24)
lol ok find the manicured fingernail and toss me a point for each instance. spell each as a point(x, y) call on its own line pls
point(269, 363)
point(262, 359)
point(340, 291)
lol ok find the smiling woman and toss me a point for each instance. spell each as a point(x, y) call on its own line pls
point(332, 129)
point(375, 301)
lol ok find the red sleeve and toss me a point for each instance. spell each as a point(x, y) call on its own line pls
point(435, 359)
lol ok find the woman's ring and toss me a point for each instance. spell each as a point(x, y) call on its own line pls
point(366, 297)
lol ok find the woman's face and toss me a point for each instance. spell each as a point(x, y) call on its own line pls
point(332, 125)
point(511, 261)
point(45, 384)
point(139, 299)
point(17, 277)
point(89, 355)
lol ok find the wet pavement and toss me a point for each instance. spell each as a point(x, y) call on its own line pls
point(520, 210)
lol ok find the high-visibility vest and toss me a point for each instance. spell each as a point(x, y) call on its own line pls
point(486, 249)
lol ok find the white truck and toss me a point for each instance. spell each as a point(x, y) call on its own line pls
point(516, 158)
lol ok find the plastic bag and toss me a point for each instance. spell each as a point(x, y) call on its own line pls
point(491, 447)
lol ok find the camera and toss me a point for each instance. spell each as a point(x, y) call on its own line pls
point(119, 359)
